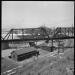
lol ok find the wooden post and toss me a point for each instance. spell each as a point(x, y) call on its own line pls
point(58, 45)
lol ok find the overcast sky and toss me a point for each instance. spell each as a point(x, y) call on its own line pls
point(29, 14)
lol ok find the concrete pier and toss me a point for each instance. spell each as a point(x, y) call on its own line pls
point(4, 45)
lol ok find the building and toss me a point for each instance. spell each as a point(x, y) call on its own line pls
point(24, 53)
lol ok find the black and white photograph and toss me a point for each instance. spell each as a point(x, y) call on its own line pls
point(37, 38)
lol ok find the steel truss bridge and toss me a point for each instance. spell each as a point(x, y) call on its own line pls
point(64, 33)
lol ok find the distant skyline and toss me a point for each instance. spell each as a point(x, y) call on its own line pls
point(31, 14)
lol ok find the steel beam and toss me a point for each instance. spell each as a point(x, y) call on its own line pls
point(37, 39)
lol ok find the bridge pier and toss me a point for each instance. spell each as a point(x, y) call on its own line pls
point(4, 45)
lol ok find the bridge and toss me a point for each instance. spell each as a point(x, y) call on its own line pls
point(37, 34)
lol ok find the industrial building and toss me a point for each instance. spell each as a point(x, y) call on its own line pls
point(24, 53)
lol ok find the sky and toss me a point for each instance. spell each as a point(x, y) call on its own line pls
point(32, 14)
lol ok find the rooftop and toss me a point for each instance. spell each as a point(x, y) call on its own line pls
point(24, 50)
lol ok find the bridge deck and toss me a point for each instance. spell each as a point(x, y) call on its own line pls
point(35, 39)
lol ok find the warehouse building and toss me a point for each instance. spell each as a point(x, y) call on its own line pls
point(24, 53)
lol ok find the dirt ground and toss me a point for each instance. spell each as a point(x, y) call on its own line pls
point(62, 64)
